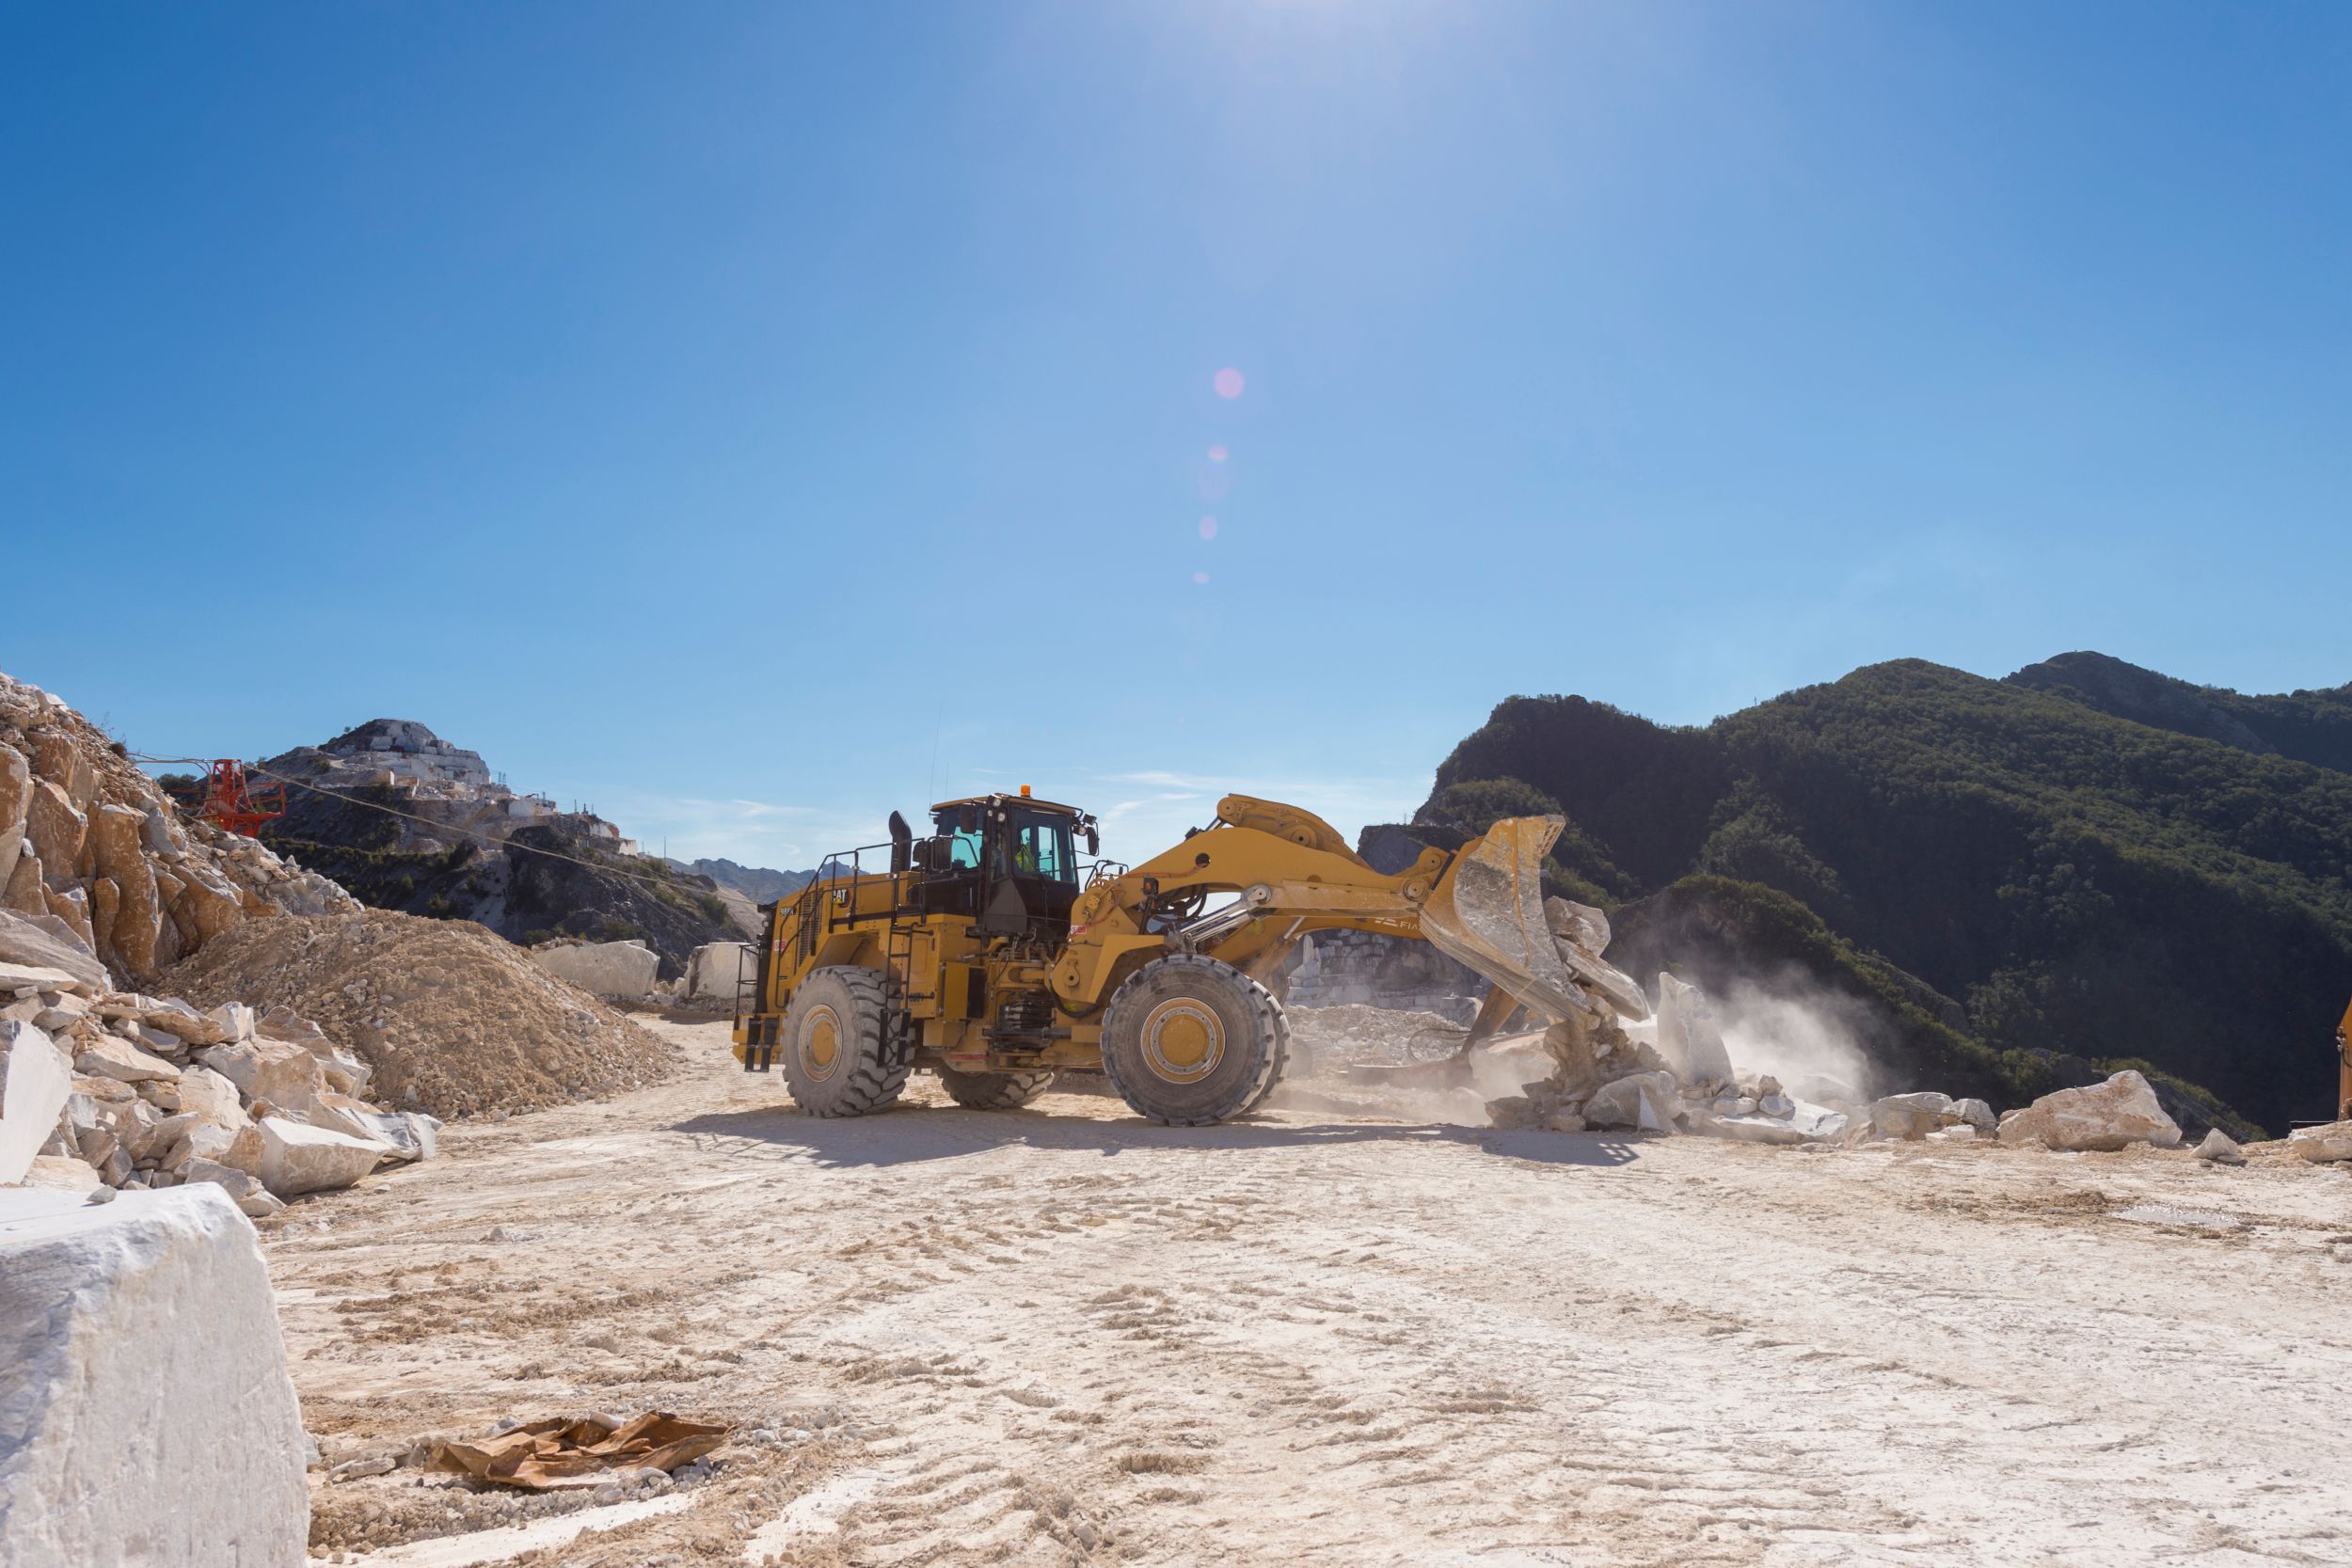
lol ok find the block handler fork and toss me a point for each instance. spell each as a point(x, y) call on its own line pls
point(979, 955)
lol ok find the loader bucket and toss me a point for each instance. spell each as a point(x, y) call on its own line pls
point(1487, 912)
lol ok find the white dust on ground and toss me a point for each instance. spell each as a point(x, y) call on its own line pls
point(1064, 1336)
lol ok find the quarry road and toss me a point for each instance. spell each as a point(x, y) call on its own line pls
point(1063, 1335)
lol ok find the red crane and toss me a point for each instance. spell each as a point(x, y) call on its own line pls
point(227, 801)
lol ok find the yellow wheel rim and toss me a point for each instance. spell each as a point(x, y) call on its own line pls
point(820, 1043)
point(1182, 1040)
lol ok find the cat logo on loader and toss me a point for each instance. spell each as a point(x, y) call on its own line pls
point(980, 955)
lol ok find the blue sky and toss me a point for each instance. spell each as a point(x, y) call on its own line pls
point(747, 419)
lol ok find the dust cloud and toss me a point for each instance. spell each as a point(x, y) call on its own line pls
point(1814, 1041)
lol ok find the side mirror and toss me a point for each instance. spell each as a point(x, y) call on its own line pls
point(1094, 841)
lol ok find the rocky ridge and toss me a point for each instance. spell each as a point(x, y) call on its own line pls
point(96, 854)
point(407, 821)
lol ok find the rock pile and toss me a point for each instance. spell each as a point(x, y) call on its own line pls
point(148, 1092)
point(451, 1018)
point(90, 843)
point(1686, 1083)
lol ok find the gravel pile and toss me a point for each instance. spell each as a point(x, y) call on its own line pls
point(451, 1019)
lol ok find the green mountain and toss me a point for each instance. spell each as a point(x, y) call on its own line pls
point(2021, 886)
point(2308, 726)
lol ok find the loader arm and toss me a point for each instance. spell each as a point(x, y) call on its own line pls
point(1289, 873)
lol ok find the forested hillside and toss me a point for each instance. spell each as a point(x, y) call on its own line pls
point(2076, 883)
point(2308, 726)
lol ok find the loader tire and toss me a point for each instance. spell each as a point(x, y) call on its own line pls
point(995, 1091)
point(1189, 1041)
point(840, 1055)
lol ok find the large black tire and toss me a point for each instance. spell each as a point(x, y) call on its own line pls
point(840, 1056)
point(995, 1091)
point(1189, 1041)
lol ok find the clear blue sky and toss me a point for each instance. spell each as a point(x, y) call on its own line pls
point(750, 418)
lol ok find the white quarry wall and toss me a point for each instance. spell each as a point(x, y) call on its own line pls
point(146, 1417)
point(606, 968)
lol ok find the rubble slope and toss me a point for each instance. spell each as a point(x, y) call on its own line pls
point(451, 1019)
point(90, 842)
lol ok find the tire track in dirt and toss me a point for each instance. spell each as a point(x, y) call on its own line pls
point(1063, 1336)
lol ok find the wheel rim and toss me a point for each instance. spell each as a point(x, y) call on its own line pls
point(820, 1043)
point(1182, 1040)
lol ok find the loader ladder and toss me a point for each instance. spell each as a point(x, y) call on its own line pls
point(750, 990)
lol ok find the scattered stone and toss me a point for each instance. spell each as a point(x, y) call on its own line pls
point(203, 1092)
point(235, 1020)
point(1646, 1102)
point(617, 968)
point(62, 1172)
point(112, 1056)
point(2220, 1148)
point(1688, 1036)
point(1512, 1113)
point(150, 1419)
point(32, 979)
point(352, 1469)
point(2322, 1145)
point(1749, 1127)
point(1569, 1042)
point(1977, 1113)
point(39, 1083)
point(1819, 1121)
point(2109, 1116)
point(1910, 1116)
point(287, 1076)
point(408, 1134)
point(48, 943)
point(298, 1159)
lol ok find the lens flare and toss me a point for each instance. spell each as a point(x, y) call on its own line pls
point(1229, 383)
point(1208, 528)
point(1200, 576)
point(1216, 454)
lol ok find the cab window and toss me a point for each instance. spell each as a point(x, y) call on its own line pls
point(1041, 849)
point(964, 847)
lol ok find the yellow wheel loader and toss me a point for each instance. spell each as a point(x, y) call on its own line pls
point(981, 953)
point(2343, 1066)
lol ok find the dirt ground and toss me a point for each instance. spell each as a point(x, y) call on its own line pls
point(1066, 1335)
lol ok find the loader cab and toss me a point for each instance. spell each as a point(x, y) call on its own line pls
point(1009, 862)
